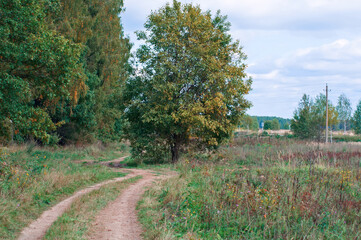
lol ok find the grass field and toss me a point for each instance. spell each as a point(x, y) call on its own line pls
point(260, 188)
point(33, 179)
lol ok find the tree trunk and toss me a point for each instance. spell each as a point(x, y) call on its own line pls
point(175, 148)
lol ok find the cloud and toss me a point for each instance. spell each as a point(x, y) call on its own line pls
point(341, 57)
point(294, 46)
point(269, 14)
point(288, 14)
point(307, 71)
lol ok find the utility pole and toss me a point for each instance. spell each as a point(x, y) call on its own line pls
point(326, 113)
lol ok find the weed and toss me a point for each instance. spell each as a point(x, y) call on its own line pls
point(33, 179)
point(260, 188)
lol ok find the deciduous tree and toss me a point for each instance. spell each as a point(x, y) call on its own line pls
point(191, 83)
point(96, 25)
point(344, 110)
point(39, 69)
point(275, 125)
point(249, 123)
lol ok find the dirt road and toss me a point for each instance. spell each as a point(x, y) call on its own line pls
point(117, 221)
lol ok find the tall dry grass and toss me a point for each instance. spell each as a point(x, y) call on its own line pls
point(262, 188)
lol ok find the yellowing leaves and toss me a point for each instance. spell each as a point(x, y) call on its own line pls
point(191, 66)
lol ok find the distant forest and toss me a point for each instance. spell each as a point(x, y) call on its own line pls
point(284, 122)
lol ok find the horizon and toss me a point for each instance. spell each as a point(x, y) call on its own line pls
point(292, 48)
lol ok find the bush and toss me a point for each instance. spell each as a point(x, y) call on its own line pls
point(347, 138)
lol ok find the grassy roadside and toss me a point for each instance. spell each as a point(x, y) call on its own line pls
point(33, 179)
point(131, 163)
point(75, 222)
point(259, 189)
point(152, 215)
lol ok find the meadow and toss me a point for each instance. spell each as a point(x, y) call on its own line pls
point(260, 188)
point(254, 187)
point(34, 178)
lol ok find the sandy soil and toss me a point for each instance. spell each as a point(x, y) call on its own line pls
point(119, 219)
point(38, 228)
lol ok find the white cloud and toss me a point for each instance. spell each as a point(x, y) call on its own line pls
point(337, 58)
point(270, 14)
point(294, 46)
point(306, 71)
point(281, 14)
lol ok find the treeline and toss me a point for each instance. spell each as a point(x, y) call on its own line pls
point(264, 122)
point(63, 63)
point(284, 123)
point(65, 76)
point(309, 119)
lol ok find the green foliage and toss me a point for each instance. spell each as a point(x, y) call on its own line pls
point(63, 64)
point(309, 119)
point(271, 125)
point(357, 119)
point(33, 179)
point(344, 110)
point(259, 189)
point(249, 123)
point(267, 125)
point(96, 25)
point(301, 123)
point(38, 70)
point(284, 122)
point(346, 138)
point(192, 83)
point(275, 125)
point(255, 124)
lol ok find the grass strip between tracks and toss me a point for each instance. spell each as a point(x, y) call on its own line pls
point(76, 222)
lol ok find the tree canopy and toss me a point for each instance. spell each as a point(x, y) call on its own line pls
point(63, 65)
point(191, 82)
point(272, 124)
point(309, 119)
point(249, 123)
point(284, 122)
point(39, 69)
point(357, 119)
point(344, 110)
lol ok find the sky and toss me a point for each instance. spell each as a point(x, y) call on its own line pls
point(294, 47)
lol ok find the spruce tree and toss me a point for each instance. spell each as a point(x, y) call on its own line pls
point(357, 119)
